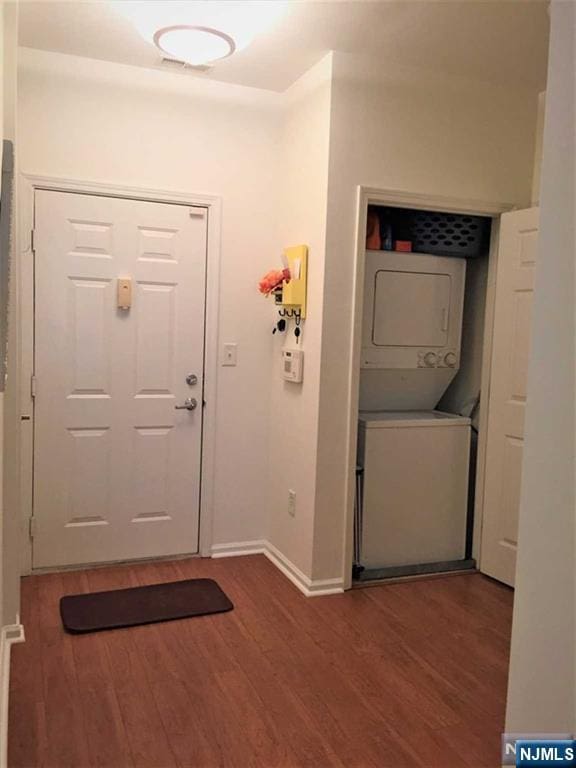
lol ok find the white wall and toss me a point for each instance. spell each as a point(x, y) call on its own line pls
point(1, 393)
point(303, 182)
point(96, 121)
point(538, 148)
point(542, 666)
point(399, 129)
point(10, 487)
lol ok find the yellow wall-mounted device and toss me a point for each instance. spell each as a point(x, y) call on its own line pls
point(294, 292)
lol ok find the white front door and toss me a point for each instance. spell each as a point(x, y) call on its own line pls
point(116, 465)
point(507, 400)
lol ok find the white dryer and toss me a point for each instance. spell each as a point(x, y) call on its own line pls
point(415, 489)
point(411, 329)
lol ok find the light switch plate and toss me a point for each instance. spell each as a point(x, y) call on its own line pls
point(229, 354)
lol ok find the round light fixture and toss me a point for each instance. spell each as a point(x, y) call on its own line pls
point(201, 31)
point(194, 44)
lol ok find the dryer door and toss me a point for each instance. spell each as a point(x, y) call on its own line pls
point(411, 309)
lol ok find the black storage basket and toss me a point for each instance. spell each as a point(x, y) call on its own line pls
point(449, 234)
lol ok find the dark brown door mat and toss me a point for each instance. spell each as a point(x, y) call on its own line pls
point(118, 608)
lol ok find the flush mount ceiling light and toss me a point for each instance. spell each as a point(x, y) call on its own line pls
point(201, 31)
point(194, 45)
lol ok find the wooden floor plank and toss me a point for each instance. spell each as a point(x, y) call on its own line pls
point(67, 743)
point(407, 675)
point(145, 739)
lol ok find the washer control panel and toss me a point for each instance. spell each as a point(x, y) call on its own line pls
point(443, 358)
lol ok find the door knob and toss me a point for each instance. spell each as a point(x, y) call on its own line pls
point(189, 404)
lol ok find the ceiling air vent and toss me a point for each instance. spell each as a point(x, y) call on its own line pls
point(177, 65)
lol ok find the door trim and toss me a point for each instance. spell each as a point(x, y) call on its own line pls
point(28, 184)
point(400, 199)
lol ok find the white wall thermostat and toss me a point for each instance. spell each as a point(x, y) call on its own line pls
point(292, 364)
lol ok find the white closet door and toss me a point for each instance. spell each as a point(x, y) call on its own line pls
point(507, 401)
point(116, 466)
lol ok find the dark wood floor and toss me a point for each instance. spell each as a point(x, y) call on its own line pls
point(410, 674)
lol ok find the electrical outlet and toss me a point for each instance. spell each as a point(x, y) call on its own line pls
point(292, 503)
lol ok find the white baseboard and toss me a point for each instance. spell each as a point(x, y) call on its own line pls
point(237, 548)
point(10, 634)
point(309, 587)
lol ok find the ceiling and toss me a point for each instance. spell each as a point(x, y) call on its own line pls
point(499, 41)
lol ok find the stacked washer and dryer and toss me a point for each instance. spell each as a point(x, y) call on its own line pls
point(414, 459)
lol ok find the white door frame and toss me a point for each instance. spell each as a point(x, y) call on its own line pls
point(400, 199)
point(28, 185)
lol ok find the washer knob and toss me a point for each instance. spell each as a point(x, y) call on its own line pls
point(430, 359)
point(450, 359)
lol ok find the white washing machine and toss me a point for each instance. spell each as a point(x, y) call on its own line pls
point(415, 488)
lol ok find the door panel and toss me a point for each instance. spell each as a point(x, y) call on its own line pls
point(117, 468)
point(507, 400)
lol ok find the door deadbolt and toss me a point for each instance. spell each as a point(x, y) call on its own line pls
point(191, 379)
